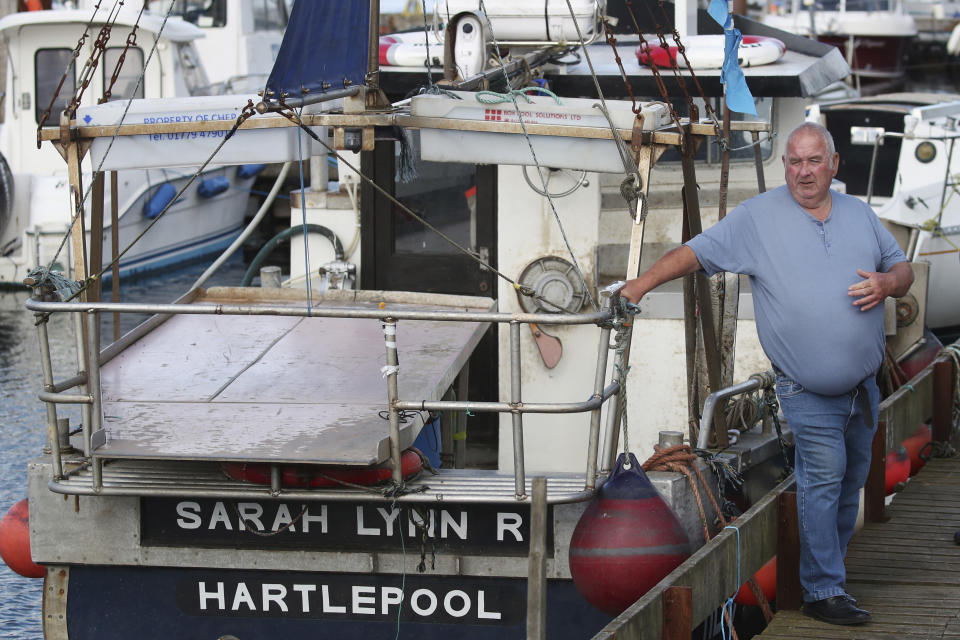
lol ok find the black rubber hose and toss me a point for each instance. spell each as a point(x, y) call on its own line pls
point(268, 248)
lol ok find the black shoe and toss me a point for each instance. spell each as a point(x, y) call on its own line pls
point(836, 610)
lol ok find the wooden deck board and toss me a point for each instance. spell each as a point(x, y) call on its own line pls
point(906, 571)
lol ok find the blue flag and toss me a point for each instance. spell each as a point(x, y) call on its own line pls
point(739, 98)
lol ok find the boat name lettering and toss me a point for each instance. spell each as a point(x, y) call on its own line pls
point(432, 599)
point(336, 525)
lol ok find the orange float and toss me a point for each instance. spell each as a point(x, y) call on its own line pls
point(302, 476)
point(897, 469)
point(15, 541)
point(766, 577)
point(915, 444)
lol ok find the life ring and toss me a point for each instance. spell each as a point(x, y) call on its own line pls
point(706, 52)
point(410, 49)
point(305, 476)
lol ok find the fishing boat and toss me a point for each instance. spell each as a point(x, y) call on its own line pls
point(897, 153)
point(40, 46)
point(874, 36)
point(244, 466)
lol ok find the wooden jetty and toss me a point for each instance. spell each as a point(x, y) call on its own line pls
point(903, 565)
point(905, 571)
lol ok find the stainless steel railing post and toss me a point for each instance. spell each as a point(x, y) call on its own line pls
point(756, 381)
point(93, 389)
point(391, 370)
point(593, 443)
point(516, 399)
point(47, 366)
point(82, 370)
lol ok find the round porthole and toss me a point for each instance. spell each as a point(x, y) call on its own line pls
point(925, 152)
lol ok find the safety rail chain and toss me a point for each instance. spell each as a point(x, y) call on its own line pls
point(91, 359)
point(707, 579)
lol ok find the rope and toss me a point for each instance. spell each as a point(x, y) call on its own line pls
point(622, 322)
point(303, 214)
point(496, 97)
point(680, 458)
point(728, 605)
point(533, 154)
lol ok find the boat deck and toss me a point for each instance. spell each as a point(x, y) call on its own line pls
point(281, 389)
point(905, 571)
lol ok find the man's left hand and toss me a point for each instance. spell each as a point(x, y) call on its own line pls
point(876, 286)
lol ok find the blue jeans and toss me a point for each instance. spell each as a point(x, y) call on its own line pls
point(833, 444)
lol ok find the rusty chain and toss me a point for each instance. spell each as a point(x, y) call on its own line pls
point(683, 52)
point(73, 58)
point(131, 42)
point(90, 66)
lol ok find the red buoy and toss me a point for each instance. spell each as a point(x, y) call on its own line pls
point(914, 445)
point(626, 541)
point(897, 469)
point(15, 541)
point(766, 577)
point(314, 476)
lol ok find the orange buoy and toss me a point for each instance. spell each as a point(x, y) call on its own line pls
point(15, 541)
point(314, 476)
point(766, 577)
point(626, 541)
point(914, 445)
point(897, 469)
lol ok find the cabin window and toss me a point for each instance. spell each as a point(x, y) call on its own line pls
point(741, 142)
point(269, 15)
point(203, 13)
point(444, 194)
point(126, 86)
point(48, 69)
point(194, 75)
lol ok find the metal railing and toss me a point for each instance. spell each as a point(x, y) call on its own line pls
point(91, 359)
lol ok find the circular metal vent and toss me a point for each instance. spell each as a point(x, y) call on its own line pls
point(557, 287)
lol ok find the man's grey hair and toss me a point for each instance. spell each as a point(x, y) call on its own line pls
point(813, 127)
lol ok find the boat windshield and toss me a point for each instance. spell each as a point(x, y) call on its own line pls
point(854, 5)
point(267, 14)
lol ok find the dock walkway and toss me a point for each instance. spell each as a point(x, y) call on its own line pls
point(905, 571)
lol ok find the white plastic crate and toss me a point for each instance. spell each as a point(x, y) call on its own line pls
point(190, 148)
point(563, 152)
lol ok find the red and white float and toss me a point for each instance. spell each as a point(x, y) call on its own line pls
point(706, 52)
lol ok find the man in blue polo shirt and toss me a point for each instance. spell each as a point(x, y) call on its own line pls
point(820, 266)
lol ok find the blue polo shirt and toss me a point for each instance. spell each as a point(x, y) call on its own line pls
point(800, 269)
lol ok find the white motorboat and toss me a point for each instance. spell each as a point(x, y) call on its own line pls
point(40, 47)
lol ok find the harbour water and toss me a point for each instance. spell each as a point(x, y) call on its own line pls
point(22, 416)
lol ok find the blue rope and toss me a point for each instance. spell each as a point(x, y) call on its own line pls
point(728, 605)
point(303, 211)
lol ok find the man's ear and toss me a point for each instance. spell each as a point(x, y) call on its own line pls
point(836, 164)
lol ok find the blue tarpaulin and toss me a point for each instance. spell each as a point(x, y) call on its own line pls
point(324, 49)
point(739, 98)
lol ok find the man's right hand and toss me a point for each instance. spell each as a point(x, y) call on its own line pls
point(675, 263)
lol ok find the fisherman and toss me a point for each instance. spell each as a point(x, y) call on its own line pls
point(808, 250)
